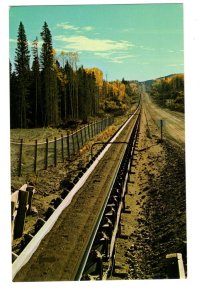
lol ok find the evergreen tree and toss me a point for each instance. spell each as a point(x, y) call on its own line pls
point(23, 75)
point(49, 80)
point(36, 90)
point(72, 61)
point(13, 99)
point(70, 90)
point(62, 89)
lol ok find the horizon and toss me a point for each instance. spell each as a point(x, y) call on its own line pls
point(135, 41)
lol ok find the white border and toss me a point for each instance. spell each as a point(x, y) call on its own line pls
point(156, 289)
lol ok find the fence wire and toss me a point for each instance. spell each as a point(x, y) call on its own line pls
point(36, 156)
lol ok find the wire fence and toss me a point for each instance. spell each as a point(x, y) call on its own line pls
point(32, 157)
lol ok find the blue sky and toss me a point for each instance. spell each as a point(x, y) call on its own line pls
point(134, 41)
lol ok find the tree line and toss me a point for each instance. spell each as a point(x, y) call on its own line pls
point(54, 90)
point(169, 92)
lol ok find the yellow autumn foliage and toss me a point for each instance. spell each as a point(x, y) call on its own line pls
point(62, 77)
point(118, 89)
point(170, 78)
point(98, 75)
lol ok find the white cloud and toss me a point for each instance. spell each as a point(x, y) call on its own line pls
point(88, 28)
point(122, 58)
point(67, 26)
point(117, 61)
point(114, 56)
point(83, 43)
point(103, 54)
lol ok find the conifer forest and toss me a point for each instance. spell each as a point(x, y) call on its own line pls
point(52, 89)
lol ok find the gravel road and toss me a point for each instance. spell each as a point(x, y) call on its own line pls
point(156, 223)
point(174, 128)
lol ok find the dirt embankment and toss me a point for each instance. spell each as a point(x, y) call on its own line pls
point(60, 253)
point(156, 223)
point(49, 184)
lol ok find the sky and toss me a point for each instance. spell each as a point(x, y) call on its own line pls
point(131, 41)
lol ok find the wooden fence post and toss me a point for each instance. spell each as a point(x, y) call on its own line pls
point(95, 127)
point(68, 150)
point(93, 133)
point(30, 197)
point(89, 131)
point(77, 141)
point(73, 143)
point(82, 137)
point(20, 158)
point(55, 152)
point(102, 122)
point(35, 157)
point(85, 133)
point(62, 148)
point(21, 214)
point(13, 216)
point(46, 154)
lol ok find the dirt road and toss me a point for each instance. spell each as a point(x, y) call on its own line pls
point(173, 127)
point(156, 223)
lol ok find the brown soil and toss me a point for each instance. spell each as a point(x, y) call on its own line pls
point(155, 222)
point(48, 184)
point(59, 255)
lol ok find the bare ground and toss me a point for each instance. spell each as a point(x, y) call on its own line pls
point(59, 255)
point(156, 223)
point(48, 184)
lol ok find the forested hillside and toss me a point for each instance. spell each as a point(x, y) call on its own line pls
point(53, 90)
point(168, 91)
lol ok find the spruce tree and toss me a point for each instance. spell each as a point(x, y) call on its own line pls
point(70, 103)
point(36, 104)
point(23, 75)
point(49, 80)
point(13, 99)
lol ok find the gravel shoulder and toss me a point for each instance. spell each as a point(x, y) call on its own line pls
point(173, 126)
point(156, 223)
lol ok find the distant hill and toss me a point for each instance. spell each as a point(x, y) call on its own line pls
point(167, 91)
point(150, 81)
